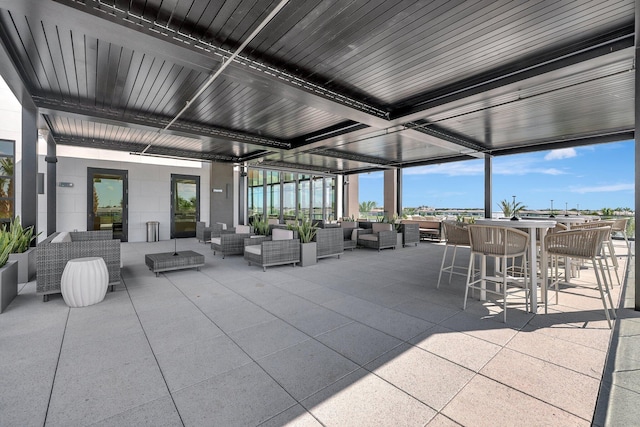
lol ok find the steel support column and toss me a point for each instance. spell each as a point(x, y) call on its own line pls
point(51, 188)
point(488, 188)
point(637, 145)
point(399, 192)
point(390, 192)
point(352, 192)
point(29, 196)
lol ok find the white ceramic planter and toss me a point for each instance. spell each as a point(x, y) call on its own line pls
point(8, 284)
point(84, 281)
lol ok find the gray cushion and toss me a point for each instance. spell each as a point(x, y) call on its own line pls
point(243, 229)
point(253, 249)
point(280, 234)
point(381, 226)
point(62, 237)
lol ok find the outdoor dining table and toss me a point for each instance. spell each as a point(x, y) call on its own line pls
point(562, 219)
point(532, 225)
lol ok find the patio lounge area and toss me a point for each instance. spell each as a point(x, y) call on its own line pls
point(366, 339)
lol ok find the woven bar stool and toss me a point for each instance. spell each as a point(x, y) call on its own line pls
point(455, 234)
point(501, 243)
point(607, 246)
point(587, 245)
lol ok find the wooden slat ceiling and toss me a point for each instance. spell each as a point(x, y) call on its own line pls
point(338, 86)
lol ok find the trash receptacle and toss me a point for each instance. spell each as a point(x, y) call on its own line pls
point(153, 231)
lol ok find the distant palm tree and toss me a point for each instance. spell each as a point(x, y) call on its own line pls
point(409, 211)
point(510, 208)
point(367, 206)
point(607, 212)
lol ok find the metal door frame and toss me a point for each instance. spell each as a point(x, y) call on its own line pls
point(124, 174)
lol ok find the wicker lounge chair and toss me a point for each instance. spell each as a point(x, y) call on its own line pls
point(330, 242)
point(379, 236)
point(349, 234)
point(231, 242)
point(410, 234)
point(203, 233)
point(53, 253)
point(282, 247)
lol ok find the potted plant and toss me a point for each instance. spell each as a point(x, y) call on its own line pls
point(308, 250)
point(261, 226)
point(22, 252)
point(510, 209)
point(8, 271)
point(397, 226)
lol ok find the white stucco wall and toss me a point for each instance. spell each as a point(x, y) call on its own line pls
point(149, 190)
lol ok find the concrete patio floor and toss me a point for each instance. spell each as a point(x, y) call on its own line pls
point(366, 339)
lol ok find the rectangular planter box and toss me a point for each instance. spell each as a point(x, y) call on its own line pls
point(8, 284)
point(308, 254)
point(26, 265)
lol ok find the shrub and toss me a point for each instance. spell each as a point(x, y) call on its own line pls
point(306, 230)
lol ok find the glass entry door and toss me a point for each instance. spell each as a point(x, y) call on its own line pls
point(185, 205)
point(107, 201)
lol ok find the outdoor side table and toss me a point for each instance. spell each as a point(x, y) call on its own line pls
point(84, 281)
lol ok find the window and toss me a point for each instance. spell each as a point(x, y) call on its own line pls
point(289, 195)
point(7, 181)
point(255, 192)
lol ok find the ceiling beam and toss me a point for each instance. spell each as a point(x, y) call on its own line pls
point(616, 135)
point(337, 154)
point(136, 148)
point(343, 128)
point(523, 69)
point(153, 123)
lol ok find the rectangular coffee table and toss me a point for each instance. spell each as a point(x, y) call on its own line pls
point(167, 261)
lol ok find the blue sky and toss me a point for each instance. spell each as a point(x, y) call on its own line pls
point(594, 177)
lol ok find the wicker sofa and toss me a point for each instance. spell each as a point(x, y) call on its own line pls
point(53, 253)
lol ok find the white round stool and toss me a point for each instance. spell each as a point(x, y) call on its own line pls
point(84, 281)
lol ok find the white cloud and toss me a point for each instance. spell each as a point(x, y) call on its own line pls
point(470, 168)
point(501, 166)
point(561, 153)
point(522, 166)
point(603, 188)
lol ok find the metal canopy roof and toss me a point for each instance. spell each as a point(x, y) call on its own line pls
point(334, 86)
